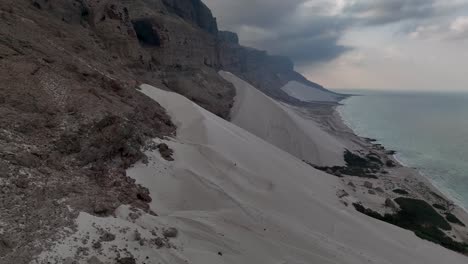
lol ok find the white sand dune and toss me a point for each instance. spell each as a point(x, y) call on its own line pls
point(282, 126)
point(309, 94)
point(233, 193)
point(237, 199)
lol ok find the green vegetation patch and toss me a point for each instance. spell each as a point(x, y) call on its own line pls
point(400, 191)
point(453, 219)
point(364, 167)
point(421, 218)
point(351, 171)
point(419, 213)
point(438, 196)
point(353, 160)
point(440, 207)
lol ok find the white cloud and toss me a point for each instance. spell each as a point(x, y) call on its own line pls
point(322, 7)
point(460, 26)
point(425, 31)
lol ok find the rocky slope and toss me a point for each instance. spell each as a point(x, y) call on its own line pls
point(71, 120)
point(265, 72)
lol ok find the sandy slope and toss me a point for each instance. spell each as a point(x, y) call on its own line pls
point(282, 126)
point(234, 193)
point(237, 199)
point(308, 94)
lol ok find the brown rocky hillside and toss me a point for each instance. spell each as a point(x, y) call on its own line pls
point(71, 118)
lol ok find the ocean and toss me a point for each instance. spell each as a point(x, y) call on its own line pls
point(429, 131)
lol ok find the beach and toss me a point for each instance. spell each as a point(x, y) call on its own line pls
point(400, 177)
point(316, 126)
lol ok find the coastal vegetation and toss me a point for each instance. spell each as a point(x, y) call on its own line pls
point(400, 191)
point(440, 207)
point(421, 218)
point(357, 166)
point(453, 219)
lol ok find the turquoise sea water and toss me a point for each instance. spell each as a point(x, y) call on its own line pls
point(428, 130)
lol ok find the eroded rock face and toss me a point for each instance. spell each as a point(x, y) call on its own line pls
point(194, 11)
point(145, 32)
point(158, 37)
point(203, 85)
point(266, 72)
point(228, 37)
point(71, 118)
point(150, 40)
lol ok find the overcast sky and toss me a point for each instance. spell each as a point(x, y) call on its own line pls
point(366, 44)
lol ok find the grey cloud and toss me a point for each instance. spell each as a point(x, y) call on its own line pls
point(314, 37)
point(306, 40)
point(261, 13)
point(311, 50)
point(313, 40)
point(388, 11)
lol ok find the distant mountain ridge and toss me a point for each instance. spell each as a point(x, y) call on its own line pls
point(269, 73)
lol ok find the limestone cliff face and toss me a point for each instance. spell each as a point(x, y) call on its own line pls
point(228, 37)
point(194, 11)
point(71, 117)
point(165, 31)
point(266, 72)
point(159, 38)
point(171, 43)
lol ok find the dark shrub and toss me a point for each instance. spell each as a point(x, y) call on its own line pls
point(353, 160)
point(453, 219)
point(422, 219)
point(418, 212)
point(369, 212)
point(438, 196)
point(400, 191)
point(440, 207)
point(374, 158)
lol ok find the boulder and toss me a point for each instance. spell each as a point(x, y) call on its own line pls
point(391, 204)
point(379, 189)
point(170, 232)
point(165, 152)
point(107, 237)
point(94, 260)
point(368, 185)
point(342, 193)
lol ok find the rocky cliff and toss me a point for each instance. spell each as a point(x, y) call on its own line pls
point(71, 119)
point(266, 72)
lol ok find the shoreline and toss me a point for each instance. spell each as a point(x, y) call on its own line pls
point(445, 192)
point(375, 193)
